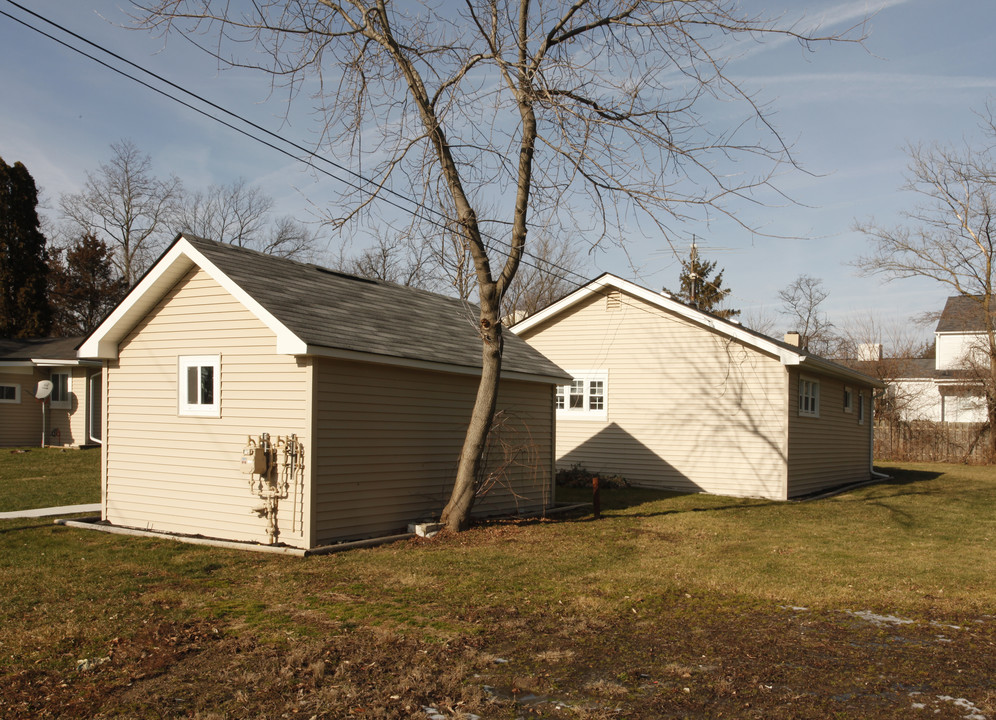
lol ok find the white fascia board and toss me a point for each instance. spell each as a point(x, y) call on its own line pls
point(288, 343)
point(559, 306)
point(787, 357)
point(828, 367)
point(358, 356)
point(42, 362)
point(168, 270)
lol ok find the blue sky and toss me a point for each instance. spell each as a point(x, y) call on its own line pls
point(847, 110)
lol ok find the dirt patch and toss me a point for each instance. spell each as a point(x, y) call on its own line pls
point(670, 658)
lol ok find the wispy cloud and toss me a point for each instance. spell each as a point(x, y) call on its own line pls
point(839, 19)
point(849, 13)
point(884, 86)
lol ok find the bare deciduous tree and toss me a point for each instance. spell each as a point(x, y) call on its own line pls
point(240, 214)
point(582, 113)
point(126, 207)
point(553, 269)
point(400, 260)
point(891, 352)
point(948, 236)
point(759, 319)
point(801, 301)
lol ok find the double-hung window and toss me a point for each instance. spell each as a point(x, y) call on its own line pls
point(848, 400)
point(809, 397)
point(60, 398)
point(200, 385)
point(585, 397)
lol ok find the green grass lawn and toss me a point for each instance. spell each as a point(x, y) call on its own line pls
point(47, 477)
point(692, 603)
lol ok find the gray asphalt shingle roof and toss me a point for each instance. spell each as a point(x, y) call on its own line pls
point(330, 309)
point(39, 348)
point(962, 313)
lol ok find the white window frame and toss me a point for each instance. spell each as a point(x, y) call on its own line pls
point(809, 397)
point(62, 403)
point(17, 394)
point(848, 400)
point(575, 400)
point(95, 398)
point(185, 363)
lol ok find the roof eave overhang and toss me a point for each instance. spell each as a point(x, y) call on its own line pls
point(831, 368)
point(430, 365)
point(175, 263)
point(55, 362)
point(49, 362)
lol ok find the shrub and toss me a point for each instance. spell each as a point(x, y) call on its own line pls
point(578, 476)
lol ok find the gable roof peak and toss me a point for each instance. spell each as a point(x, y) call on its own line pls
point(963, 313)
point(319, 311)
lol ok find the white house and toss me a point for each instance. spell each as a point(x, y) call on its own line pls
point(944, 389)
point(253, 398)
point(674, 398)
point(70, 416)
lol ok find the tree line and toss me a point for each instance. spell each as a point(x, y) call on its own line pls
point(124, 216)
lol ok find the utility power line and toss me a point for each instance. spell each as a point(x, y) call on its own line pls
point(415, 207)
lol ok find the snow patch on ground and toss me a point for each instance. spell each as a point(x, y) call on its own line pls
point(880, 619)
point(961, 703)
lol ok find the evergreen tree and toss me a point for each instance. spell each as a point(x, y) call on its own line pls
point(24, 309)
point(85, 288)
point(701, 289)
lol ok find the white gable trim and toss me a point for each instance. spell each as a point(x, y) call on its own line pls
point(664, 302)
point(169, 270)
point(785, 355)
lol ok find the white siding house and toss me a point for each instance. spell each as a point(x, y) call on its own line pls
point(70, 417)
point(374, 382)
point(674, 398)
point(946, 388)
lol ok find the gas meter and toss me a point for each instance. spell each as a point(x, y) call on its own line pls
point(255, 460)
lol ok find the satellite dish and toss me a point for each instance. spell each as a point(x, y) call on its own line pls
point(44, 389)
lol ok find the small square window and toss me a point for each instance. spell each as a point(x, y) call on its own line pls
point(199, 385)
point(10, 394)
point(560, 397)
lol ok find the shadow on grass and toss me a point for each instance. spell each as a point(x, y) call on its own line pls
point(627, 502)
point(17, 528)
point(902, 476)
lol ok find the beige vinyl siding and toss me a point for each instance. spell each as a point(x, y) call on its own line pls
point(832, 449)
point(21, 422)
point(68, 426)
point(687, 409)
point(390, 441)
point(168, 472)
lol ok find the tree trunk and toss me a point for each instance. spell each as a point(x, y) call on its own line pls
point(456, 514)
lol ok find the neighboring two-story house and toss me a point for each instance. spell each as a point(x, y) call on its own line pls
point(946, 388)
